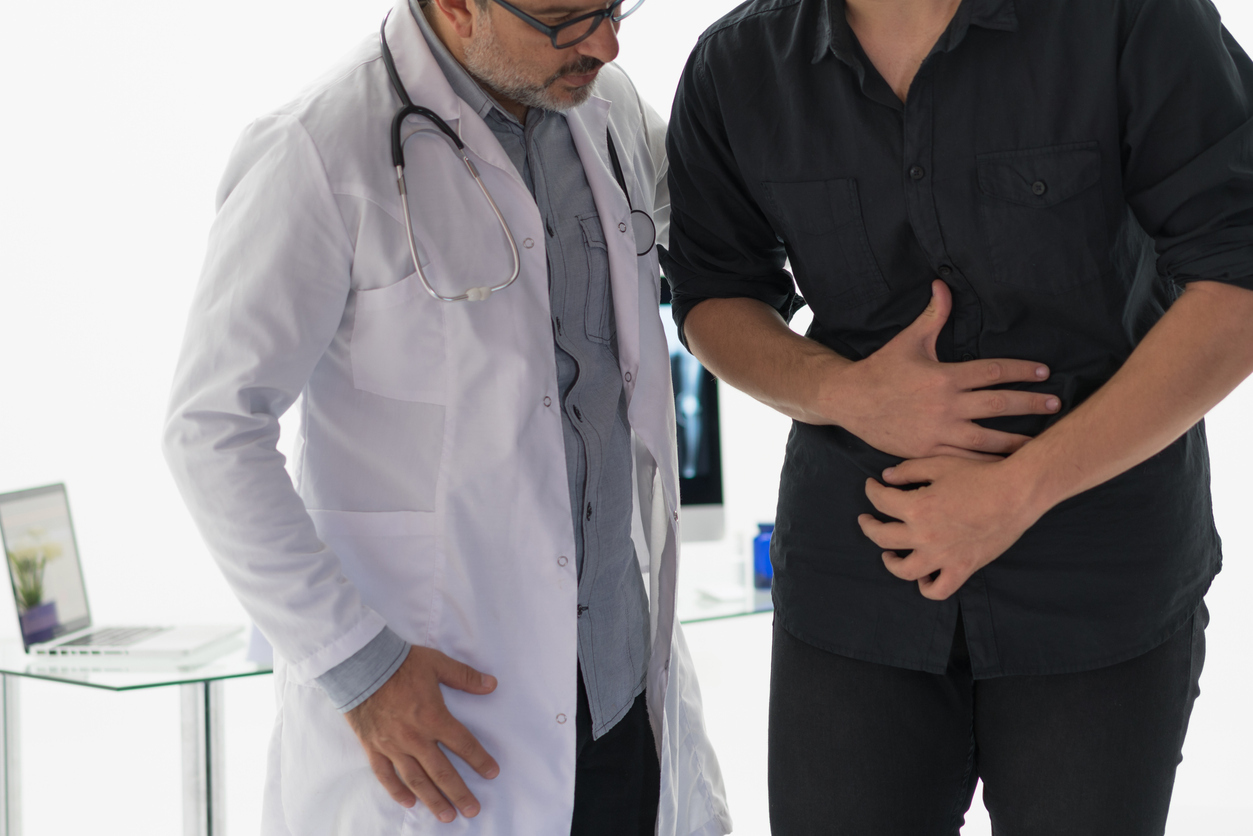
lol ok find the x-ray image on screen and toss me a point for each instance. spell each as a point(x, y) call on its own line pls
point(696, 413)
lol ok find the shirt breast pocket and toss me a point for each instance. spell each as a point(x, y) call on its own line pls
point(597, 324)
point(1043, 217)
point(398, 342)
point(822, 223)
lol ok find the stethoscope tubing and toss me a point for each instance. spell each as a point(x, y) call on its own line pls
point(407, 109)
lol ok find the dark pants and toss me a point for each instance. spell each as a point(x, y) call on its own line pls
point(858, 748)
point(617, 780)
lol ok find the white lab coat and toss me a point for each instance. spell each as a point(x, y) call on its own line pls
point(430, 490)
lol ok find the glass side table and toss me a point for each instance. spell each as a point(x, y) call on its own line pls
point(716, 581)
point(204, 787)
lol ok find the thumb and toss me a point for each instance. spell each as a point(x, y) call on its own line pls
point(931, 321)
point(457, 675)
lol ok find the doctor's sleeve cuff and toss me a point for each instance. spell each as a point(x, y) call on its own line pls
point(355, 679)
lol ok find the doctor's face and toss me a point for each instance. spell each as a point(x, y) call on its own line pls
point(519, 63)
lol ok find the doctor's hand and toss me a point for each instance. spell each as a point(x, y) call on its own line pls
point(965, 515)
point(904, 401)
point(403, 723)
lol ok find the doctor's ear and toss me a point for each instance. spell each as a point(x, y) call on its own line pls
point(456, 13)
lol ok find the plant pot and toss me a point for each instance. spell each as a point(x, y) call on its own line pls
point(40, 623)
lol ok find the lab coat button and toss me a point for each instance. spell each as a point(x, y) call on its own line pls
point(561, 718)
point(676, 516)
point(548, 401)
point(528, 243)
point(563, 560)
point(628, 377)
point(622, 227)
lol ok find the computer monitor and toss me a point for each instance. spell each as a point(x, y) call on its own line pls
point(700, 448)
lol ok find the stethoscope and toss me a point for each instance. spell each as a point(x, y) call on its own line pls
point(645, 229)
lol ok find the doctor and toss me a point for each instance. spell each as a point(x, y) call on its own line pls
point(451, 576)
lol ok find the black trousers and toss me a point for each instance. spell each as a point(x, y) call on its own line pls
point(858, 748)
point(617, 780)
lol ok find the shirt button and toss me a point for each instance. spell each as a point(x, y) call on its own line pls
point(548, 401)
point(967, 357)
point(563, 560)
point(917, 172)
point(622, 227)
point(1039, 187)
point(561, 718)
point(945, 271)
point(529, 243)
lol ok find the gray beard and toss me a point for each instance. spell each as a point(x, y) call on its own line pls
point(484, 63)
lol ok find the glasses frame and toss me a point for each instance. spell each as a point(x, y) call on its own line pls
point(554, 31)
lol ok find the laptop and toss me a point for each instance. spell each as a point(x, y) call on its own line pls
point(51, 597)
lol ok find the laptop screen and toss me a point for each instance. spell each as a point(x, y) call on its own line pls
point(43, 563)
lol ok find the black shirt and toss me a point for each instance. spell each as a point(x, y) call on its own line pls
point(1065, 166)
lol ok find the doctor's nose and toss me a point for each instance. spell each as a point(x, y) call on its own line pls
point(602, 44)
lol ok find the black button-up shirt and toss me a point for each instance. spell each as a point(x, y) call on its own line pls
point(1065, 166)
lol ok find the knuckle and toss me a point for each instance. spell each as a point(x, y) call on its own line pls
point(997, 404)
point(994, 370)
point(429, 717)
point(444, 776)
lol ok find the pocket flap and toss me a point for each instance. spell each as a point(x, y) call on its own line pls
point(593, 232)
point(1040, 177)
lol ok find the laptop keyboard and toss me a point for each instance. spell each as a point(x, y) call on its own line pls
point(115, 637)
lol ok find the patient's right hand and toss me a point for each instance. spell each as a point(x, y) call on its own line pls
point(904, 401)
point(402, 724)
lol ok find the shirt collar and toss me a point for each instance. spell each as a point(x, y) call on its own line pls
point(835, 35)
point(459, 79)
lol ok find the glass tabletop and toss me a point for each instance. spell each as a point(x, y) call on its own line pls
point(230, 661)
point(715, 581)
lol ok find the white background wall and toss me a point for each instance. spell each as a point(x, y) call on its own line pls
point(117, 121)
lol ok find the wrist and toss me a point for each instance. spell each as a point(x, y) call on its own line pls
point(835, 396)
point(1026, 485)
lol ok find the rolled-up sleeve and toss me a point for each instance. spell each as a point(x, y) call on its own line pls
point(721, 243)
point(1184, 88)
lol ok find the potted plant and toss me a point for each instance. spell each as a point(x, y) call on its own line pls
point(29, 559)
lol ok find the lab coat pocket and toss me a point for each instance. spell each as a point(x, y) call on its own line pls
point(832, 257)
point(1043, 215)
point(398, 342)
point(394, 559)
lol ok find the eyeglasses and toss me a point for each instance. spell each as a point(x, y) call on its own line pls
point(565, 35)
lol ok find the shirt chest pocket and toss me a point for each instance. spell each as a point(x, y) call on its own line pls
point(1043, 218)
point(598, 310)
point(398, 342)
point(821, 221)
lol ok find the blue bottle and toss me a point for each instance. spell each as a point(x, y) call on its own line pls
point(763, 572)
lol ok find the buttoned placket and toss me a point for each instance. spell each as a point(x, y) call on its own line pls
point(919, 118)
